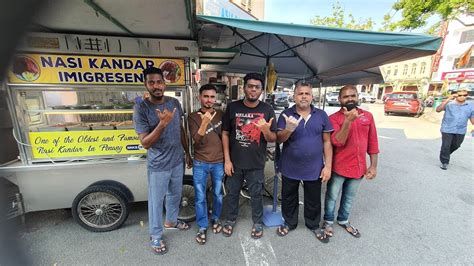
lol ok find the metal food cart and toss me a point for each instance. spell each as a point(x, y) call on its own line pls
point(72, 120)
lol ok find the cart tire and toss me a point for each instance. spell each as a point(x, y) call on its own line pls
point(187, 206)
point(100, 208)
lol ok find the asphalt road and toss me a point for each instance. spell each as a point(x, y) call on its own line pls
point(412, 213)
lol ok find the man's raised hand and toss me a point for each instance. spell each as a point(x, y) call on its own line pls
point(207, 117)
point(291, 122)
point(166, 116)
point(263, 125)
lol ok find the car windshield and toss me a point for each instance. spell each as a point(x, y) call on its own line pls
point(332, 94)
point(402, 96)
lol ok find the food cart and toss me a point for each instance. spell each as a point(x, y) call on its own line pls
point(72, 116)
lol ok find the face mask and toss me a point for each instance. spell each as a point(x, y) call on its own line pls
point(350, 106)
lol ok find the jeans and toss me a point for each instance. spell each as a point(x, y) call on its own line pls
point(160, 184)
point(290, 202)
point(200, 172)
point(450, 143)
point(254, 179)
point(349, 187)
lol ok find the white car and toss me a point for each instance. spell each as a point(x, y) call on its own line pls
point(365, 97)
point(332, 98)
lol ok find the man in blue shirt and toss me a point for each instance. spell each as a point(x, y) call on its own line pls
point(158, 122)
point(454, 124)
point(307, 156)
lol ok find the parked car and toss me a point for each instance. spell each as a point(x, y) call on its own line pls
point(332, 98)
point(386, 96)
point(405, 103)
point(365, 97)
point(278, 100)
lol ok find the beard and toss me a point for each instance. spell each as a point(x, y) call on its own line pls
point(350, 105)
point(251, 100)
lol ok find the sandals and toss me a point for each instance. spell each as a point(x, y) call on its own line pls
point(328, 229)
point(257, 231)
point(228, 228)
point(351, 229)
point(159, 247)
point(283, 230)
point(181, 225)
point(321, 235)
point(201, 236)
point(216, 226)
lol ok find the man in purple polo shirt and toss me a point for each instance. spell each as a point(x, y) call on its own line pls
point(307, 156)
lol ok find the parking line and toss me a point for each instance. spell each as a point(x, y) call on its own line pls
point(257, 251)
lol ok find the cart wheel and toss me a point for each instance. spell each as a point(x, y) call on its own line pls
point(187, 207)
point(100, 208)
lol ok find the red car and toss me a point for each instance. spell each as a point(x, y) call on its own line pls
point(404, 102)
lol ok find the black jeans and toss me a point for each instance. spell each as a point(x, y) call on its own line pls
point(450, 143)
point(254, 178)
point(290, 200)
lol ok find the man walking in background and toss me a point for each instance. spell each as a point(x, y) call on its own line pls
point(454, 124)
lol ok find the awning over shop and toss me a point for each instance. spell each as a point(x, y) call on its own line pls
point(309, 52)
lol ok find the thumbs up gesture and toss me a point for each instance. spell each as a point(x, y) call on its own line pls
point(291, 122)
point(263, 125)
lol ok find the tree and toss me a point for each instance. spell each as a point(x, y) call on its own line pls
point(415, 13)
point(339, 20)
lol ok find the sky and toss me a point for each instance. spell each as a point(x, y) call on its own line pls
point(302, 11)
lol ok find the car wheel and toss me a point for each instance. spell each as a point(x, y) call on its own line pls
point(100, 208)
point(363, 100)
point(386, 113)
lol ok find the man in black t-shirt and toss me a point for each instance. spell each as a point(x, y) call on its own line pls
point(247, 126)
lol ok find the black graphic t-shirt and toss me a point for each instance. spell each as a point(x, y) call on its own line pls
point(246, 142)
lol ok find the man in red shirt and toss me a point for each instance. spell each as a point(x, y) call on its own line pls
point(353, 137)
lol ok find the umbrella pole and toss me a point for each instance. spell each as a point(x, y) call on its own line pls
point(271, 216)
point(324, 95)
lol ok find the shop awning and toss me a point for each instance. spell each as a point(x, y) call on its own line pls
point(308, 52)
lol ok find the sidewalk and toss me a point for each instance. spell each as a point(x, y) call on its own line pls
point(431, 115)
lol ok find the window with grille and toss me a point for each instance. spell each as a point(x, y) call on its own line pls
point(422, 68)
point(469, 64)
point(467, 36)
point(413, 69)
point(405, 69)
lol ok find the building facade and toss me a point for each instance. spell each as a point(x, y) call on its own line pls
point(459, 39)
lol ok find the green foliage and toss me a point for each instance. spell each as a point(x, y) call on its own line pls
point(415, 13)
point(339, 20)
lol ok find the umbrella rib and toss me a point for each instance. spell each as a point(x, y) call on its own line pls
point(291, 48)
point(256, 55)
point(251, 39)
point(297, 55)
point(234, 30)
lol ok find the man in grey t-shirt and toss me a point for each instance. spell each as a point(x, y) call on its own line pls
point(158, 122)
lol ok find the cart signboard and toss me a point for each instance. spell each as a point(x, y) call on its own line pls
point(90, 70)
point(68, 144)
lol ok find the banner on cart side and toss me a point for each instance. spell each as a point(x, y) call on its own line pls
point(98, 70)
point(67, 144)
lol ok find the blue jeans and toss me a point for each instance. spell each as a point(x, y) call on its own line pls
point(160, 184)
point(349, 187)
point(200, 172)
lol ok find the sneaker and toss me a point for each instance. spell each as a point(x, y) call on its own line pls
point(444, 166)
